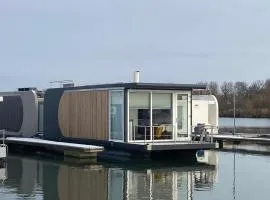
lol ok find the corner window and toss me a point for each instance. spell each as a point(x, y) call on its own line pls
point(116, 115)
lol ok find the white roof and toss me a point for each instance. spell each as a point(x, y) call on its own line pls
point(1, 99)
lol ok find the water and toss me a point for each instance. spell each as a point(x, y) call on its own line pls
point(233, 176)
point(244, 122)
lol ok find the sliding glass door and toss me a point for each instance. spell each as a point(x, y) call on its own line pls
point(182, 116)
point(162, 116)
point(139, 116)
point(158, 115)
point(150, 116)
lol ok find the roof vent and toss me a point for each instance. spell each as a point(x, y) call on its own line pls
point(136, 77)
point(27, 89)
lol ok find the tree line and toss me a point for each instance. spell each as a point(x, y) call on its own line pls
point(251, 99)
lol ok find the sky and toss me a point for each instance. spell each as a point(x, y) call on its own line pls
point(104, 41)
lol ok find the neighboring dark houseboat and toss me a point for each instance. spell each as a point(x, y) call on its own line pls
point(21, 112)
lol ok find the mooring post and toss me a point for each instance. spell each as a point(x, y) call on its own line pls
point(220, 144)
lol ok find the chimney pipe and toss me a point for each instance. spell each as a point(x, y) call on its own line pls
point(136, 77)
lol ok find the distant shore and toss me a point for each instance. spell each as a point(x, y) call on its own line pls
point(250, 99)
point(246, 116)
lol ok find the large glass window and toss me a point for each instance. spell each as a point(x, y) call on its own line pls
point(162, 126)
point(139, 115)
point(116, 115)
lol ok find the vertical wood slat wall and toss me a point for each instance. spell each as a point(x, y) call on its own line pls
point(84, 114)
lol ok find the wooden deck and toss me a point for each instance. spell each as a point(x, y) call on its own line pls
point(68, 149)
point(187, 145)
point(92, 151)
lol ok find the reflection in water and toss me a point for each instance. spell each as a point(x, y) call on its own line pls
point(30, 178)
point(77, 183)
point(159, 184)
point(22, 178)
point(3, 172)
point(205, 180)
point(247, 147)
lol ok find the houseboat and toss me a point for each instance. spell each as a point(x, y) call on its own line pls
point(133, 117)
point(21, 112)
point(205, 111)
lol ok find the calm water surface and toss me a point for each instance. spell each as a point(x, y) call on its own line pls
point(233, 176)
point(244, 122)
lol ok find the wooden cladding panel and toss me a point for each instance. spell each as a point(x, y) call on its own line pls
point(84, 114)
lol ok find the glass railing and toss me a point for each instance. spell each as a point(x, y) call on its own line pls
point(203, 132)
point(152, 133)
point(164, 132)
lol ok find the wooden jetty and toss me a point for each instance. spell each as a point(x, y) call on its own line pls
point(67, 149)
point(251, 138)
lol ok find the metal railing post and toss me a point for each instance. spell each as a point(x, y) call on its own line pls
point(134, 129)
point(153, 132)
point(144, 134)
point(212, 134)
point(3, 136)
point(174, 133)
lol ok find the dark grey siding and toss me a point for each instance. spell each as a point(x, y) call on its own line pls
point(11, 113)
point(51, 104)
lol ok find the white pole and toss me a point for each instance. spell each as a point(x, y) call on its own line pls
point(3, 131)
point(234, 112)
point(234, 175)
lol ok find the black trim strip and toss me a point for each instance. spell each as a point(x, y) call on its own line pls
point(145, 86)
